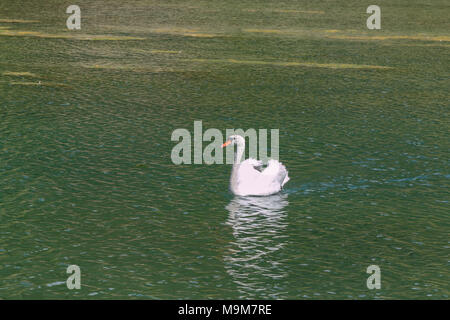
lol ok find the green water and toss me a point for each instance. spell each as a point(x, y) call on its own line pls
point(86, 176)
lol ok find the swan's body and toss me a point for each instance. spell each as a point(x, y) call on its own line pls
point(247, 178)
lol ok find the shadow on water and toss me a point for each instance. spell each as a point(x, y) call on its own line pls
point(259, 231)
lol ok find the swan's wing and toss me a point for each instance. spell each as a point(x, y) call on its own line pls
point(248, 180)
point(276, 171)
point(247, 171)
point(257, 164)
point(253, 182)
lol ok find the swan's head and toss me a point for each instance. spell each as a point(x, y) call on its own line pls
point(234, 140)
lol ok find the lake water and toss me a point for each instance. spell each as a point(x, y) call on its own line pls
point(86, 176)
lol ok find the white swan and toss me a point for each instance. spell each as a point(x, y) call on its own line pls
point(247, 178)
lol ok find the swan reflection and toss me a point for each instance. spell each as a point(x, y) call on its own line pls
point(253, 260)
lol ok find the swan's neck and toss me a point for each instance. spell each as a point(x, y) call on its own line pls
point(237, 161)
point(238, 154)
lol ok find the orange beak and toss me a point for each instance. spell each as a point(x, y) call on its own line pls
point(226, 143)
